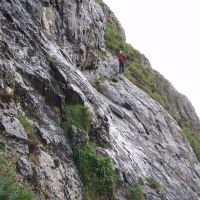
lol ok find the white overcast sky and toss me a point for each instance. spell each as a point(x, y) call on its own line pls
point(168, 33)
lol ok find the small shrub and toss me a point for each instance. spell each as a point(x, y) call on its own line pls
point(96, 173)
point(25, 123)
point(135, 192)
point(77, 115)
point(153, 183)
point(193, 140)
point(11, 188)
point(32, 137)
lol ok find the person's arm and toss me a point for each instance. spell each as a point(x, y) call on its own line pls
point(124, 57)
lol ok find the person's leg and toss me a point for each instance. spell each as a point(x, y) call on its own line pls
point(120, 66)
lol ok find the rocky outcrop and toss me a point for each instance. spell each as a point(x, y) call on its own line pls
point(147, 133)
point(175, 103)
point(44, 45)
point(78, 137)
point(109, 16)
point(178, 105)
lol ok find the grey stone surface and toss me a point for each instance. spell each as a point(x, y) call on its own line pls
point(147, 142)
point(24, 167)
point(179, 105)
point(45, 45)
point(79, 137)
point(57, 181)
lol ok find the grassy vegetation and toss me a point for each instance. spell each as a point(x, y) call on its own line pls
point(77, 115)
point(96, 173)
point(113, 39)
point(144, 77)
point(11, 188)
point(25, 123)
point(135, 192)
point(32, 137)
point(141, 75)
point(153, 183)
point(193, 140)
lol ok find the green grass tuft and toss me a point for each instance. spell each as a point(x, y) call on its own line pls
point(96, 173)
point(77, 115)
point(113, 39)
point(193, 140)
point(11, 188)
point(153, 183)
point(32, 137)
point(135, 192)
point(25, 123)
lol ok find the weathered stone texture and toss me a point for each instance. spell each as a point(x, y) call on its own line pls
point(44, 45)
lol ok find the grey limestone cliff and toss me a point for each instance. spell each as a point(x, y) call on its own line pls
point(50, 54)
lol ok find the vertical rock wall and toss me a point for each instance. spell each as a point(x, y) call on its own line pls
point(44, 45)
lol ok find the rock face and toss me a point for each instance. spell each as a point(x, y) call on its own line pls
point(44, 45)
point(178, 104)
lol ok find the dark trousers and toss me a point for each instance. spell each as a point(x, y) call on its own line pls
point(121, 66)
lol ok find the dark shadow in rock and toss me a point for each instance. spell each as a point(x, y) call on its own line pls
point(72, 97)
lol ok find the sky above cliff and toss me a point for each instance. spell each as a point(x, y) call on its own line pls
point(168, 33)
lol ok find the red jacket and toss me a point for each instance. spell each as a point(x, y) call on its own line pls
point(121, 57)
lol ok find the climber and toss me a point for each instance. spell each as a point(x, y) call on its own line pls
point(121, 58)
